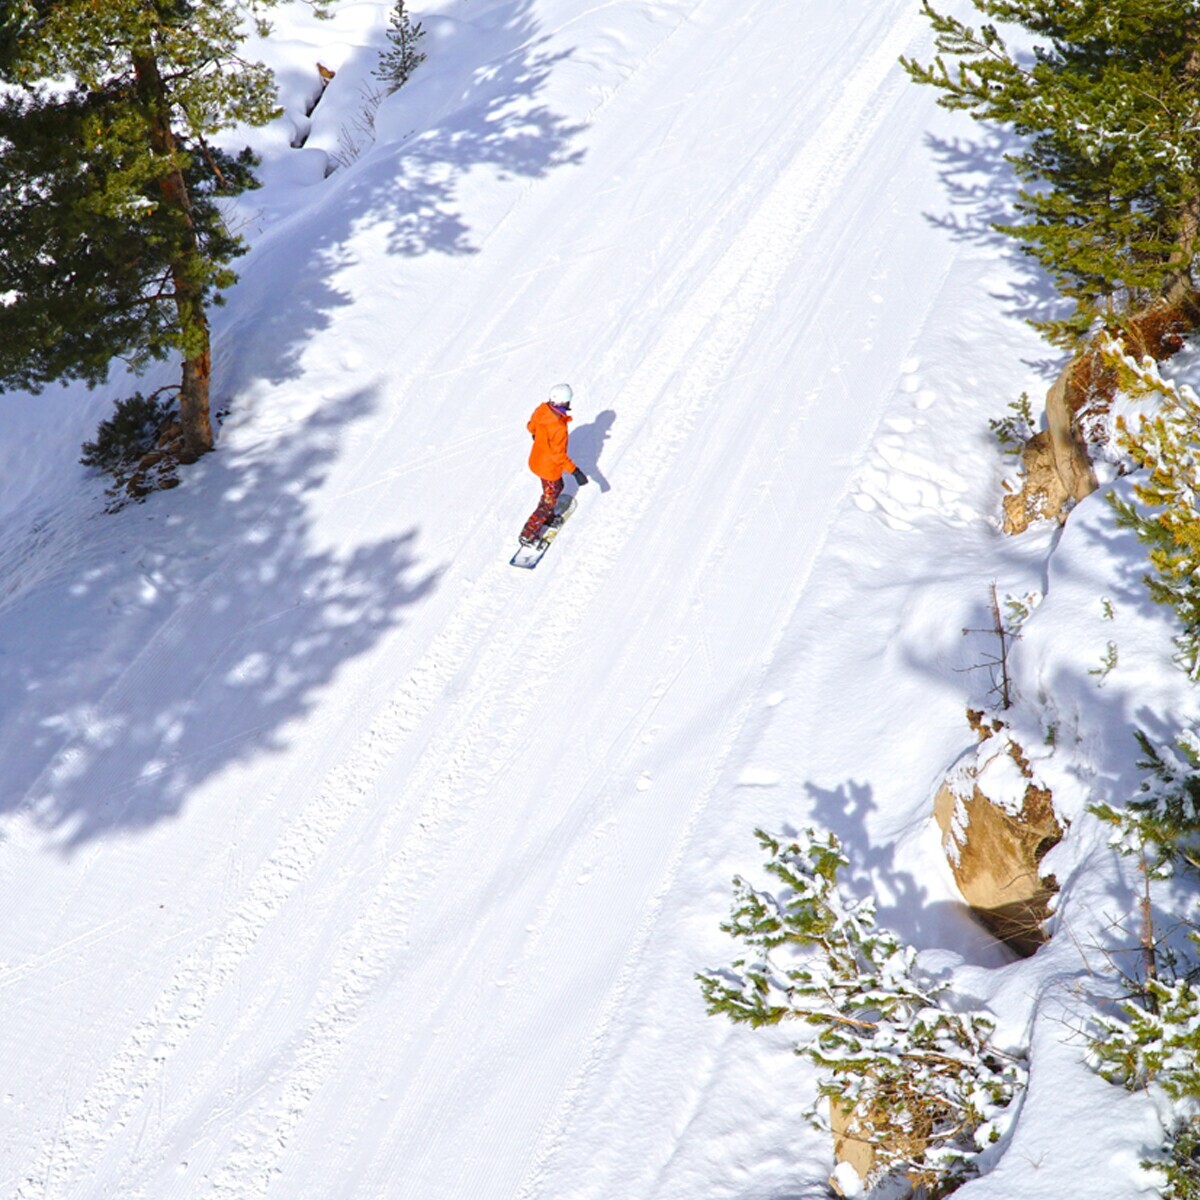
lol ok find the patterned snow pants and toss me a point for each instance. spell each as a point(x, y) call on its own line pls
point(551, 489)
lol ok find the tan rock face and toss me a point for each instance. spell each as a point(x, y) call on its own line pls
point(857, 1131)
point(846, 1147)
point(1043, 496)
point(1077, 406)
point(995, 844)
point(1064, 403)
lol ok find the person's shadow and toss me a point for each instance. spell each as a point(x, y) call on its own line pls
point(587, 444)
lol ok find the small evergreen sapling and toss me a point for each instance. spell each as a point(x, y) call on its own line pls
point(1108, 664)
point(128, 434)
point(127, 448)
point(1160, 826)
point(403, 58)
point(1181, 1165)
point(1015, 430)
point(925, 1088)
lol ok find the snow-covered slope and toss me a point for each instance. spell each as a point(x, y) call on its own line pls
point(341, 860)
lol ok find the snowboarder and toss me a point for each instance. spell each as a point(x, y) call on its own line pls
point(549, 458)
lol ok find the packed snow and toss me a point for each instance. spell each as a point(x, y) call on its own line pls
point(341, 860)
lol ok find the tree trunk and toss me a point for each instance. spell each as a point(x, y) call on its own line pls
point(1180, 292)
point(194, 420)
point(187, 267)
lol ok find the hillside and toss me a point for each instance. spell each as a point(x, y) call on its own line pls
point(342, 860)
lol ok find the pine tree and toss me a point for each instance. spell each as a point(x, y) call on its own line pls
point(1164, 444)
point(1153, 1037)
point(925, 1088)
point(111, 243)
point(1107, 106)
point(398, 63)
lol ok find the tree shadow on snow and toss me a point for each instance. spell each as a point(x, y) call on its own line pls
point(1123, 561)
point(277, 617)
point(486, 94)
point(982, 190)
point(902, 899)
point(203, 643)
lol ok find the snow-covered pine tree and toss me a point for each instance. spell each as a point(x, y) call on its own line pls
point(402, 58)
point(924, 1087)
point(1108, 109)
point(111, 245)
point(1165, 446)
point(1154, 1038)
point(1161, 824)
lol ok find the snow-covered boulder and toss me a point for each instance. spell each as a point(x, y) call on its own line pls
point(998, 821)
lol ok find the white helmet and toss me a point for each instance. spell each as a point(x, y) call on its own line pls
point(560, 396)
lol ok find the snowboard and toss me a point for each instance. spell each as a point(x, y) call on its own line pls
point(528, 557)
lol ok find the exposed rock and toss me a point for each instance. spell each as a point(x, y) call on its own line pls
point(1064, 403)
point(997, 824)
point(1058, 471)
point(981, 726)
point(1042, 497)
point(155, 471)
point(168, 435)
point(846, 1147)
point(856, 1133)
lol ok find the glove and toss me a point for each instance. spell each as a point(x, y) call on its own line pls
point(580, 477)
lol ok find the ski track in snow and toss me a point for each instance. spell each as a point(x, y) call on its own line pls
point(466, 754)
point(768, 243)
point(451, 745)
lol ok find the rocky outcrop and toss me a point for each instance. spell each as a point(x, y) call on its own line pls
point(1065, 402)
point(1057, 470)
point(997, 824)
point(155, 471)
point(1042, 496)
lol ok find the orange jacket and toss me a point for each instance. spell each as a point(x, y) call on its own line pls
point(549, 459)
